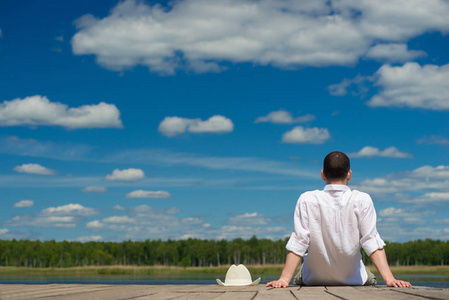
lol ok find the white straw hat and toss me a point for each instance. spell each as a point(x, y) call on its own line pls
point(238, 276)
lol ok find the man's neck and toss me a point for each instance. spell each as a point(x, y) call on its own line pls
point(337, 182)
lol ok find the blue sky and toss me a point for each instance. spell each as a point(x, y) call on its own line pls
point(207, 119)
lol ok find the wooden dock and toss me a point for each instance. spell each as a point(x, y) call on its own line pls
point(199, 292)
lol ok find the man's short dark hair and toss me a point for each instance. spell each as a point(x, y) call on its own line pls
point(336, 166)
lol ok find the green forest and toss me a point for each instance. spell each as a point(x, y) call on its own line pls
point(189, 253)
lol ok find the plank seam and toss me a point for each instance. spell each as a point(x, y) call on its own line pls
point(291, 292)
point(72, 294)
point(330, 293)
point(196, 292)
point(255, 295)
point(425, 297)
point(137, 297)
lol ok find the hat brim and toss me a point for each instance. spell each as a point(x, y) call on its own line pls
point(245, 284)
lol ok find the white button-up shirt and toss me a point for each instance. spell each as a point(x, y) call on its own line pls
point(332, 225)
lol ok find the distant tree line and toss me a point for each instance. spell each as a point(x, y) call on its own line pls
point(191, 252)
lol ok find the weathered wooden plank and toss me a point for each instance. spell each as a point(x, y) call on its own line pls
point(36, 289)
point(10, 287)
point(209, 288)
point(269, 294)
point(113, 293)
point(220, 288)
point(312, 292)
point(199, 292)
point(54, 291)
point(241, 295)
point(251, 288)
point(181, 295)
point(137, 293)
point(430, 293)
point(384, 292)
point(15, 287)
point(158, 296)
point(178, 288)
point(367, 293)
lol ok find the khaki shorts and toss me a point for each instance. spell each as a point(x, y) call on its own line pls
point(370, 281)
point(371, 278)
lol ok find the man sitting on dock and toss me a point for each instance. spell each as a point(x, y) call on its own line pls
point(331, 225)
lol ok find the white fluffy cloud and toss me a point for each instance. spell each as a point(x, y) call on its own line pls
point(118, 220)
point(396, 20)
point(393, 215)
point(148, 194)
point(90, 238)
point(369, 151)
point(71, 210)
point(249, 219)
point(249, 164)
point(24, 203)
point(43, 149)
point(199, 34)
point(39, 111)
point(429, 172)
point(126, 175)
point(340, 89)
point(434, 197)
point(284, 117)
point(43, 221)
point(434, 140)
point(94, 225)
point(362, 84)
point(421, 179)
point(94, 189)
point(409, 223)
point(34, 169)
point(215, 124)
point(391, 53)
point(246, 232)
point(172, 126)
point(301, 135)
point(391, 212)
point(412, 85)
point(206, 32)
point(143, 222)
point(65, 216)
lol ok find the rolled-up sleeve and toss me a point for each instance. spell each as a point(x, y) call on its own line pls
point(299, 240)
point(370, 239)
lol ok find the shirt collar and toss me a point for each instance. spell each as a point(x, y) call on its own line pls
point(336, 187)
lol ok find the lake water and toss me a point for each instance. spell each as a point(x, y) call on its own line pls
point(435, 281)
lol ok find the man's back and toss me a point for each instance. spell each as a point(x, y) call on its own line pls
point(333, 223)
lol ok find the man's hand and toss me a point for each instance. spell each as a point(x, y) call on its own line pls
point(281, 283)
point(398, 283)
point(291, 263)
point(379, 259)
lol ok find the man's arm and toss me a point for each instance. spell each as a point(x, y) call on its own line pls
point(380, 262)
point(291, 263)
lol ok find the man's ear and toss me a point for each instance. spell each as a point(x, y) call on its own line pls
point(322, 175)
point(349, 175)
